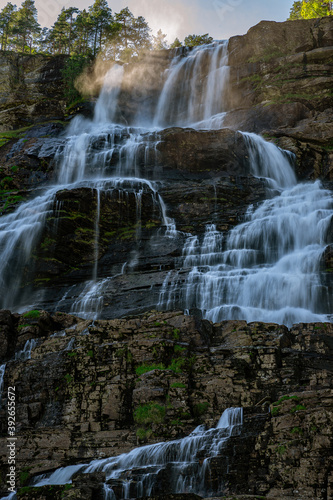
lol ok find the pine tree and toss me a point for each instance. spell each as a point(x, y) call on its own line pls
point(176, 44)
point(159, 41)
point(101, 18)
point(83, 30)
point(194, 40)
point(26, 25)
point(6, 24)
point(308, 9)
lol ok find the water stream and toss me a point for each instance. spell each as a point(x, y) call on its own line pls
point(265, 269)
point(180, 466)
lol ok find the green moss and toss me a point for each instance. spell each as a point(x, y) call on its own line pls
point(298, 408)
point(90, 353)
point(296, 430)
point(285, 398)
point(175, 333)
point(20, 327)
point(32, 314)
point(24, 475)
point(179, 348)
point(267, 56)
point(143, 434)
point(72, 354)
point(149, 413)
point(45, 245)
point(144, 368)
point(177, 385)
point(281, 449)
point(275, 411)
point(68, 378)
point(200, 408)
point(177, 365)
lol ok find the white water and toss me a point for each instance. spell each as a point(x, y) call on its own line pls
point(193, 93)
point(25, 353)
point(140, 470)
point(266, 269)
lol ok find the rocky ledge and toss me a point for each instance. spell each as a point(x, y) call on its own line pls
point(80, 396)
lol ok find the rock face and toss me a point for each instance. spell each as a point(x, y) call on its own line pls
point(31, 89)
point(281, 80)
point(77, 397)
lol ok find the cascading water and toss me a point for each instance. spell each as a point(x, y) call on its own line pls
point(266, 269)
point(193, 93)
point(142, 472)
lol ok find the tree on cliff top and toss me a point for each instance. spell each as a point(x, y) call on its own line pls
point(6, 24)
point(308, 9)
point(176, 44)
point(159, 41)
point(195, 40)
point(26, 26)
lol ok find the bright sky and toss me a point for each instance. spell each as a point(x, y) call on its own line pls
point(179, 18)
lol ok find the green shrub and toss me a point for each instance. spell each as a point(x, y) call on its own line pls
point(149, 413)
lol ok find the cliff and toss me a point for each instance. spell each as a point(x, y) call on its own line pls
point(91, 389)
point(78, 397)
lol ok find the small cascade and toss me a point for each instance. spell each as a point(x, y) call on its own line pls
point(184, 462)
point(19, 232)
point(269, 161)
point(2, 377)
point(106, 106)
point(193, 93)
point(96, 242)
point(268, 268)
point(25, 353)
point(89, 303)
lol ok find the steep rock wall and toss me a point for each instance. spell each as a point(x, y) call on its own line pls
point(76, 397)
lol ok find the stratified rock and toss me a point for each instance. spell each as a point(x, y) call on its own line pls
point(77, 395)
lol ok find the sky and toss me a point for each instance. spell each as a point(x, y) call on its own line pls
point(179, 18)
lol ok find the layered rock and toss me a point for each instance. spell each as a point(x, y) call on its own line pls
point(31, 89)
point(77, 397)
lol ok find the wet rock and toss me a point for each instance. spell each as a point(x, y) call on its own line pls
point(77, 396)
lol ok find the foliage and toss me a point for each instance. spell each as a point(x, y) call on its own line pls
point(285, 398)
point(308, 9)
point(72, 69)
point(159, 41)
point(176, 44)
point(81, 33)
point(298, 408)
point(140, 370)
point(178, 385)
point(200, 408)
point(149, 413)
point(195, 40)
point(32, 314)
point(25, 26)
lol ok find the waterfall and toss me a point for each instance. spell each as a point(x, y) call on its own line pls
point(193, 93)
point(140, 471)
point(267, 268)
point(25, 353)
